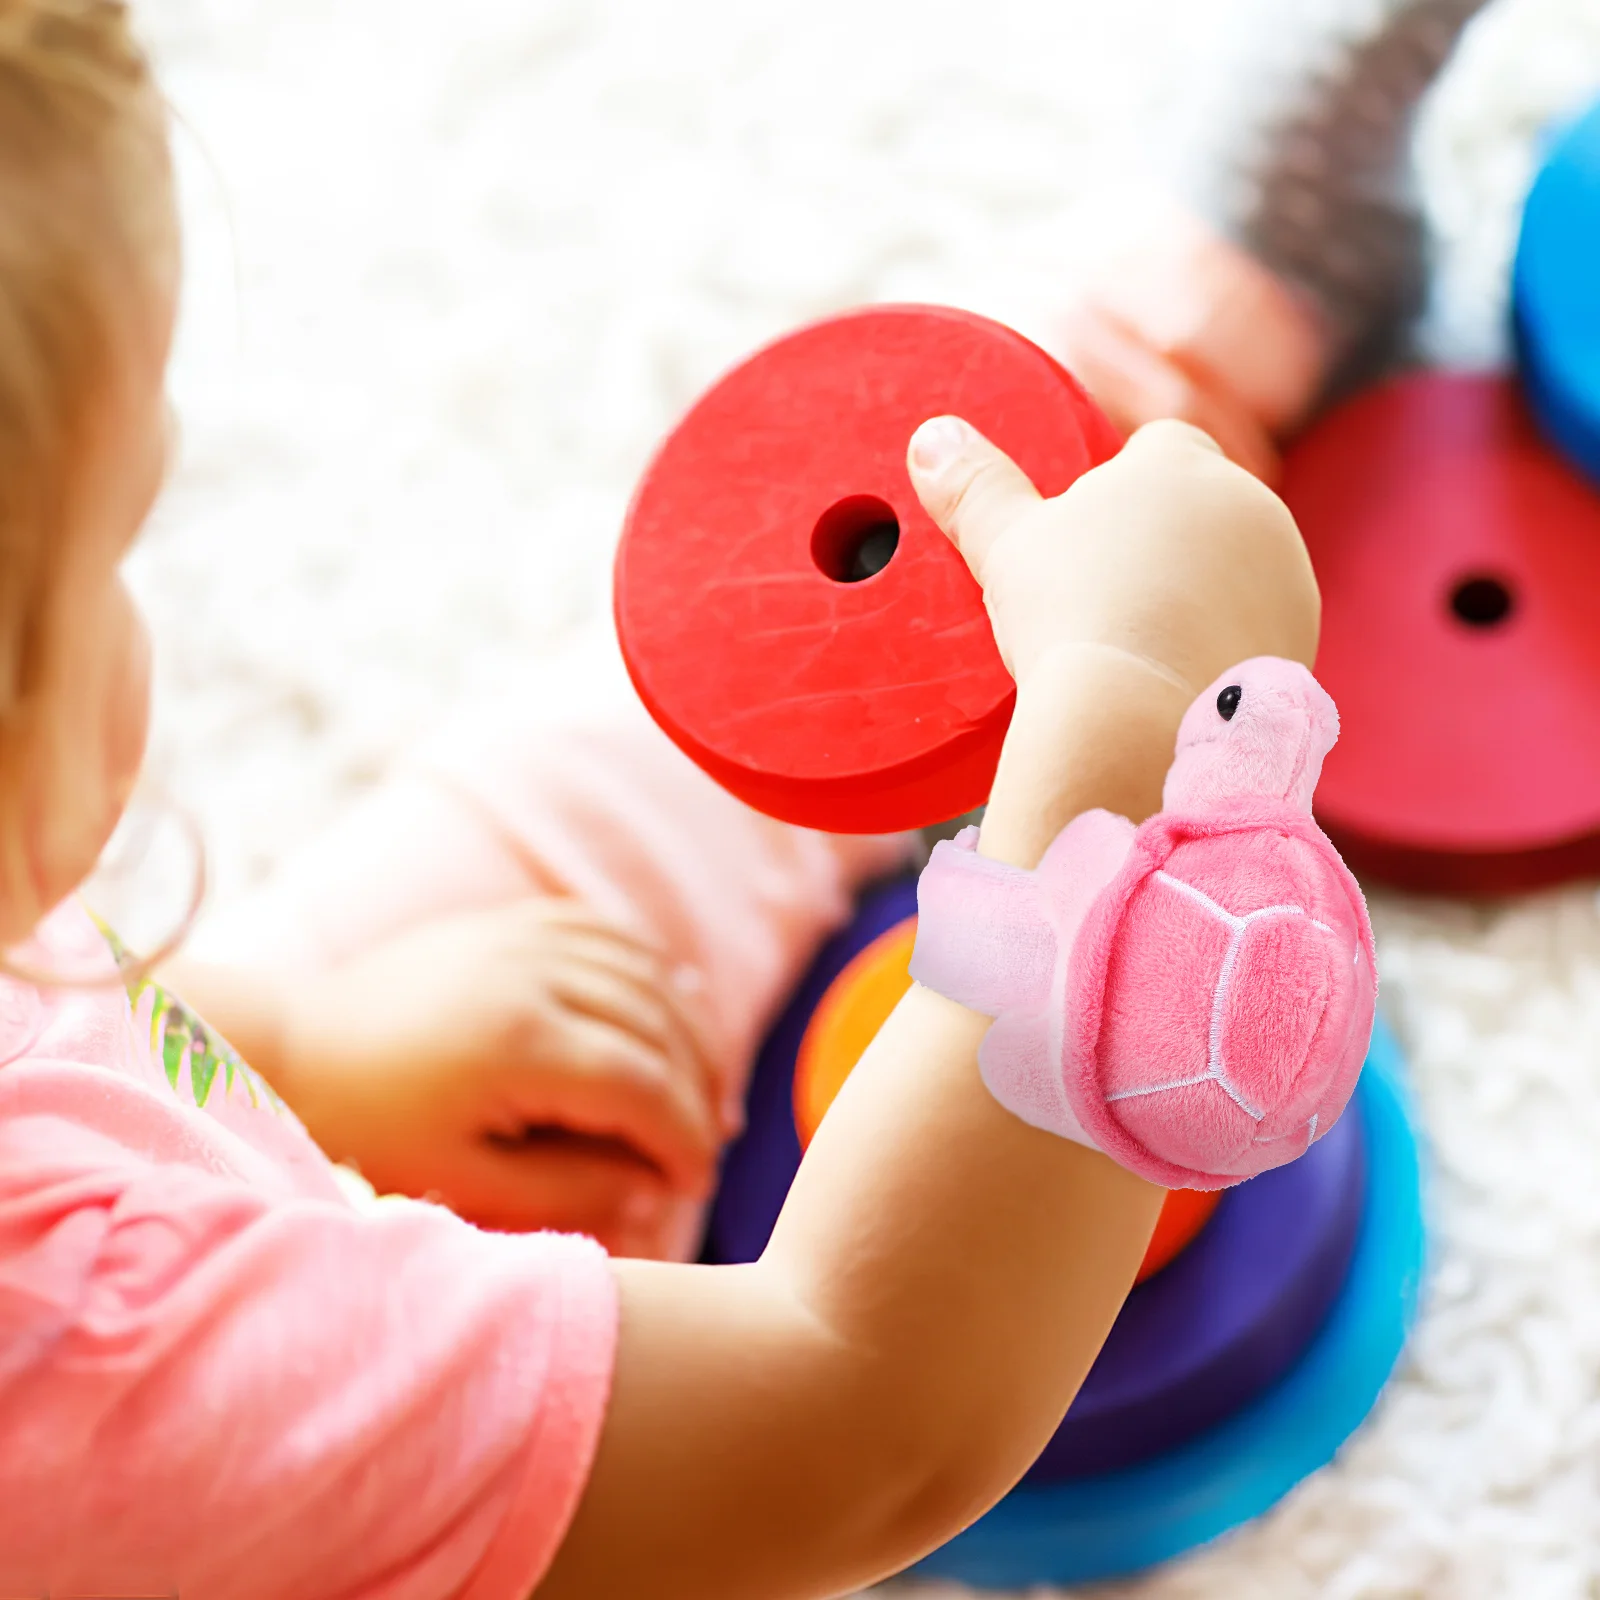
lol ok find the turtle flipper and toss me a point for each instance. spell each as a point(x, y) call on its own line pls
point(1080, 863)
point(1022, 1071)
point(984, 939)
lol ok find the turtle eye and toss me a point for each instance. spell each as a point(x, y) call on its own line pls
point(1228, 701)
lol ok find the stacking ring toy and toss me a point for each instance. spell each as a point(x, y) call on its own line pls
point(790, 615)
point(1458, 556)
point(1555, 309)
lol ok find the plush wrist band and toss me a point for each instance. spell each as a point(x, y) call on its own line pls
point(1194, 996)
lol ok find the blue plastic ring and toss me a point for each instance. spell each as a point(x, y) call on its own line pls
point(1554, 303)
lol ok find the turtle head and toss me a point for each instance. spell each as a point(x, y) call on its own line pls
point(1260, 731)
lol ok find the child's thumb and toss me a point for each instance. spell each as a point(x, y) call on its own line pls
point(973, 490)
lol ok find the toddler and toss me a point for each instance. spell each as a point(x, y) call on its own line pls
point(220, 1374)
point(556, 847)
point(530, 974)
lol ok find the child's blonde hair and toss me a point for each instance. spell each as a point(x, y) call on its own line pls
point(86, 226)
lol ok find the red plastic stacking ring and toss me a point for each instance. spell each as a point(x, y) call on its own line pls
point(788, 612)
point(1459, 559)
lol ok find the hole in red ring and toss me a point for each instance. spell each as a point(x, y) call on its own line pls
point(1481, 601)
point(855, 538)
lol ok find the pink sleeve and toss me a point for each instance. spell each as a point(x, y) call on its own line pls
point(251, 1401)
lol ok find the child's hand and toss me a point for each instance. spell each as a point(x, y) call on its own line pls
point(1188, 326)
point(1126, 595)
point(530, 1065)
point(1167, 553)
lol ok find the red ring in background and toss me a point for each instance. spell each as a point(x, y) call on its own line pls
point(1464, 761)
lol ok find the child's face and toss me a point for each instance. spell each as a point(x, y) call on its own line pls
point(80, 756)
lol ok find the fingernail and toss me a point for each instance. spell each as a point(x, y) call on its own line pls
point(937, 443)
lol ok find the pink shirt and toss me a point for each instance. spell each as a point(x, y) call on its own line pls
point(221, 1376)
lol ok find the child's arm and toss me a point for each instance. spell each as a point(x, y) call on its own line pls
point(942, 1275)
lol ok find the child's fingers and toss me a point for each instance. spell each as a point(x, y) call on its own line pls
point(633, 959)
point(651, 1012)
point(670, 992)
point(586, 937)
point(973, 490)
point(623, 997)
point(616, 977)
point(569, 1183)
point(572, 916)
point(615, 1086)
point(642, 962)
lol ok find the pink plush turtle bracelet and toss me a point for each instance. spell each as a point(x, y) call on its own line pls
point(1193, 996)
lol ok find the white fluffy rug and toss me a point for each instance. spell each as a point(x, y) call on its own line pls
point(453, 269)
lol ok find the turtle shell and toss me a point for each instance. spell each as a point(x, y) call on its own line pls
point(1219, 997)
